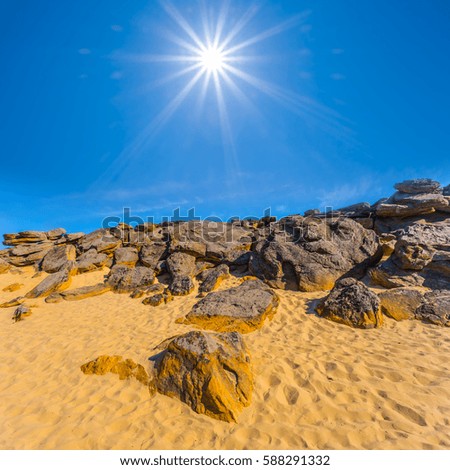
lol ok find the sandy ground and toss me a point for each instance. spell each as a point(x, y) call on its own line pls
point(317, 384)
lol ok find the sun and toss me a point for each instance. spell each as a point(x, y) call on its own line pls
point(212, 59)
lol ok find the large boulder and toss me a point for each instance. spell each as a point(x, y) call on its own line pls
point(91, 260)
point(101, 240)
point(421, 257)
point(182, 269)
point(407, 205)
point(418, 186)
point(124, 279)
point(57, 258)
point(310, 254)
point(209, 372)
point(79, 294)
point(29, 236)
point(128, 256)
point(52, 283)
point(353, 304)
point(56, 233)
point(400, 303)
point(435, 308)
point(152, 253)
point(211, 278)
point(243, 308)
point(29, 254)
point(215, 241)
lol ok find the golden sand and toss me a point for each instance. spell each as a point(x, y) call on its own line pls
point(317, 384)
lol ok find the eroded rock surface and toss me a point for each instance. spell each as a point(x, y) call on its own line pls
point(209, 372)
point(243, 308)
point(353, 304)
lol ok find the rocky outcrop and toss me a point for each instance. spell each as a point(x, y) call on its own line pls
point(353, 304)
point(413, 198)
point(310, 254)
point(209, 372)
point(435, 308)
point(151, 254)
point(182, 269)
point(214, 241)
point(91, 260)
point(126, 256)
point(401, 303)
point(158, 298)
point(58, 258)
point(124, 368)
point(102, 241)
point(421, 257)
point(52, 283)
point(243, 308)
point(123, 279)
point(29, 236)
point(79, 294)
point(212, 278)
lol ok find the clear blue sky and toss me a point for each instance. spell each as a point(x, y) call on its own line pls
point(362, 101)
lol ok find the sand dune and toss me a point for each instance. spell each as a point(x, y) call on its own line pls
point(318, 384)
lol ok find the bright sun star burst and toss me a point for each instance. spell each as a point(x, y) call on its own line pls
point(212, 59)
point(213, 52)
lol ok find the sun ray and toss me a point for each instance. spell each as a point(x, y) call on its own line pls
point(220, 23)
point(246, 17)
point(290, 23)
point(180, 20)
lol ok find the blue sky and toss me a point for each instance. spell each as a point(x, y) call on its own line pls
point(358, 100)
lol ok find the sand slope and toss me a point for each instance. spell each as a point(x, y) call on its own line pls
point(318, 384)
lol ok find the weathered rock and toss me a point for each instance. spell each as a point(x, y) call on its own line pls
point(72, 237)
point(311, 212)
point(91, 260)
point(52, 283)
point(310, 254)
point(147, 290)
point(403, 204)
point(123, 279)
point(400, 303)
point(417, 186)
point(58, 258)
point(55, 233)
point(4, 266)
point(353, 304)
point(446, 190)
point(435, 308)
point(209, 372)
point(21, 312)
point(124, 368)
point(28, 254)
point(209, 239)
point(421, 257)
point(126, 256)
point(243, 308)
point(361, 209)
point(213, 277)
point(85, 292)
point(12, 287)
point(182, 269)
point(29, 236)
point(13, 303)
point(156, 299)
point(151, 254)
point(101, 240)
